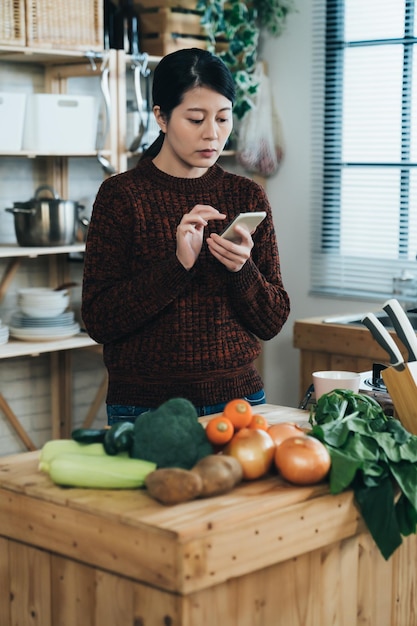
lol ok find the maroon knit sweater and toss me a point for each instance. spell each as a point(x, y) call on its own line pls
point(168, 332)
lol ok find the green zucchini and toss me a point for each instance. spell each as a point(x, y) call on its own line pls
point(57, 447)
point(119, 438)
point(89, 435)
point(109, 472)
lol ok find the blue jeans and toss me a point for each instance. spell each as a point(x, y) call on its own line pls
point(120, 413)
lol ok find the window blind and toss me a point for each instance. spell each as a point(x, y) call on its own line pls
point(364, 146)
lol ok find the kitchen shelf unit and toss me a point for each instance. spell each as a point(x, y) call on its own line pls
point(59, 350)
point(58, 66)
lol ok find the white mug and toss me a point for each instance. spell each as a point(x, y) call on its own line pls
point(324, 382)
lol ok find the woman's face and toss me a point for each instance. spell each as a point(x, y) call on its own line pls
point(195, 134)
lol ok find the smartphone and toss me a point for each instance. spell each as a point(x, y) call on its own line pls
point(250, 220)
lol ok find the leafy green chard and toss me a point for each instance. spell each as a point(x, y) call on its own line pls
point(374, 455)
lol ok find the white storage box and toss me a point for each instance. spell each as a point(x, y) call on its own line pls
point(12, 117)
point(60, 124)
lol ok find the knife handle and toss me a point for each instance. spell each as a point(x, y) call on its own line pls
point(402, 326)
point(383, 338)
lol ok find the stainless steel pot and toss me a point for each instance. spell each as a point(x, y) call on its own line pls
point(44, 221)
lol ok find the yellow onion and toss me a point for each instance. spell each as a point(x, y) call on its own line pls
point(254, 449)
point(302, 460)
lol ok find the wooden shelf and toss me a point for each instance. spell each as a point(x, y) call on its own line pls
point(46, 56)
point(8, 251)
point(15, 348)
point(29, 154)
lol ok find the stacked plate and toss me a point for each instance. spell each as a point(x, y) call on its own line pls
point(4, 334)
point(43, 316)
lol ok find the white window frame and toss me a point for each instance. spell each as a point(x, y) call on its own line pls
point(336, 273)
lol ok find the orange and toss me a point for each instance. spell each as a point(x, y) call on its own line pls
point(259, 422)
point(239, 412)
point(219, 430)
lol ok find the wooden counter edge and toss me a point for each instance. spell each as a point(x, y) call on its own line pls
point(180, 549)
point(312, 334)
point(183, 564)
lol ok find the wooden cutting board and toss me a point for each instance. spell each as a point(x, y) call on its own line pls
point(401, 384)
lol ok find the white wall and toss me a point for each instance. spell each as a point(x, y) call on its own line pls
point(289, 59)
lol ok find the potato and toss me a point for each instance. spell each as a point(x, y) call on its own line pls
point(219, 474)
point(172, 485)
point(234, 465)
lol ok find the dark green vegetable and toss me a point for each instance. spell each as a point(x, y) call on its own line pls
point(374, 455)
point(89, 435)
point(171, 436)
point(118, 438)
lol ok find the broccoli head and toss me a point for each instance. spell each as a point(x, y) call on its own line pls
point(171, 435)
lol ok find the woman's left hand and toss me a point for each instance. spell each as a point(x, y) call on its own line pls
point(231, 254)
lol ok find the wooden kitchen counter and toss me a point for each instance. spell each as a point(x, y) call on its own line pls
point(328, 346)
point(266, 554)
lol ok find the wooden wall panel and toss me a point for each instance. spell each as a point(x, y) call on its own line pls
point(30, 586)
point(5, 619)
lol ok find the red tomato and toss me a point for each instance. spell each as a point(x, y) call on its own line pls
point(302, 460)
point(254, 449)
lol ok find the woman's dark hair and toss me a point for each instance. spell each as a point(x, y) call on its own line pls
point(179, 72)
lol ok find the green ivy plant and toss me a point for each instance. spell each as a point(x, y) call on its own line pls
point(233, 28)
point(272, 15)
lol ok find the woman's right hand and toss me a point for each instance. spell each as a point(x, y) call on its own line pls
point(190, 232)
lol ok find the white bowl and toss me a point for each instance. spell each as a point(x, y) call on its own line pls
point(39, 301)
point(42, 292)
point(324, 382)
point(43, 311)
point(42, 301)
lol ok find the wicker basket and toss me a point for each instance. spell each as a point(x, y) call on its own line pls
point(12, 22)
point(65, 24)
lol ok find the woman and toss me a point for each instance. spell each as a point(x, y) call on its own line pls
point(179, 309)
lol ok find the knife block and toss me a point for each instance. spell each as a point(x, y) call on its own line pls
point(400, 381)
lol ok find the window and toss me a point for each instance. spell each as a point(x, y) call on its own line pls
point(364, 146)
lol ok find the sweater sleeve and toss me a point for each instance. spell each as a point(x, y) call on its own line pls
point(119, 295)
point(257, 292)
